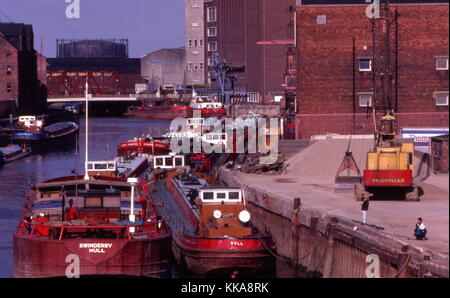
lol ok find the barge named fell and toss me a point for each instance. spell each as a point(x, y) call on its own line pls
point(211, 229)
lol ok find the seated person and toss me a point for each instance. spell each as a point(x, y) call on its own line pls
point(420, 231)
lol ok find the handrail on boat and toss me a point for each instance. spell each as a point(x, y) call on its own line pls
point(128, 228)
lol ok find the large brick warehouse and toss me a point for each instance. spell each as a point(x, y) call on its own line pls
point(338, 70)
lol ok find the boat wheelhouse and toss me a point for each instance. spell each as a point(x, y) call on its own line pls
point(121, 167)
point(170, 161)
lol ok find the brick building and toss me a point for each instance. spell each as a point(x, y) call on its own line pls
point(339, 72)
point(252, 37)
point(106, 63)
point(21, 87)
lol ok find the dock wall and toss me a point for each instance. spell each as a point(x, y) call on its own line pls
point(318, 243)
point(236, 110)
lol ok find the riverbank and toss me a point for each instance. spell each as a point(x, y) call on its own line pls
point(393, 221)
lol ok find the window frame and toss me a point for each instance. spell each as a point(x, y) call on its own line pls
point(435, 95)
point(210, 49)
point(365, 69)
point(446, 60)
point(369, 103)
point(215, 31)
point(211, 17)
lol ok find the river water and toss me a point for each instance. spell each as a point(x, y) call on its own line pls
point(104, 136)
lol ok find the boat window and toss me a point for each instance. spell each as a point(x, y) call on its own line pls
point(215, 137)
point(224, 137)
point(93, 202)
point(208, 195)
point(221, 195)
point(111, 166)
point(159, 161)
point(169, 161)
point(233, 195)
point(208, 137)
point(89, 166)
point(178, 161)
point(100, 166)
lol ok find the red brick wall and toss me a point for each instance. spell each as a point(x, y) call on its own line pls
point(325, 66)
point(8, 57)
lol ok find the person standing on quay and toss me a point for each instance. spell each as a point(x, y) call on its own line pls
point(364, 209)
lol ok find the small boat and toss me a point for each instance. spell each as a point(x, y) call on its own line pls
point(143, 146)
point(207, 107)
point(35, 134)
point(13, 152)
point(210, 224)
point(111, 232)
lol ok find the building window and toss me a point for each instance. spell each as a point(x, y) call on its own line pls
point(195, 66)
point(195, 42)
point(441, 98)
point(212, 31)
point(195, 53)
point(195, 5)
point(212, 46)
point(190, 66)
point(195, 24)
point(190, 43)
point(212, 15)
point(441, 63)
point(201, 42)
point(8, 70)
point(201, 66)
point(365, 99)
point(321, 20)
point(8, 87)
point(365, 64)
point(210, 61)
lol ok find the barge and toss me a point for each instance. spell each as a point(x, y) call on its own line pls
point(89, 227)
point(211, 229)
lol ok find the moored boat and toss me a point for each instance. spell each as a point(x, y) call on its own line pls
point(207, 107)
point(143, 146)
point(37, 135)
point(210, 225)
point(13, 152)
point(89, 227)
point(165, 112)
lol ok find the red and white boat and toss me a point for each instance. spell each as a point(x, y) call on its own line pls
point(143, 146)
point(207, 107)
point(210, 225)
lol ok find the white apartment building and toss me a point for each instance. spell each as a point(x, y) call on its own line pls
point(195, 49)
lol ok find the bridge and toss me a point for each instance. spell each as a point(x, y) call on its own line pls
point(96, 98)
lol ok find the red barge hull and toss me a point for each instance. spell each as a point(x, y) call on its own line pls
point(162, 113)
point(222, 256)
point(40, 258)
point(143, 147)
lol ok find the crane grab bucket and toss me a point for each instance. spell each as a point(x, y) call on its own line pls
point(348, 181)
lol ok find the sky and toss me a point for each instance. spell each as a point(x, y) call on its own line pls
point(149, 25)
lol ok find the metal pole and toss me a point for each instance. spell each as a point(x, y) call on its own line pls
point(86, 176)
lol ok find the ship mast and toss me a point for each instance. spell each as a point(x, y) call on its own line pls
point(86, 94)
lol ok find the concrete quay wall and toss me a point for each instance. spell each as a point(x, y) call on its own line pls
point(236, 110)
point(320, 243)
